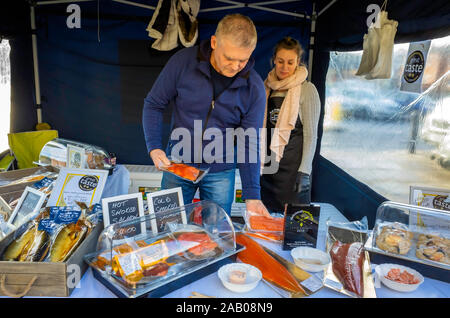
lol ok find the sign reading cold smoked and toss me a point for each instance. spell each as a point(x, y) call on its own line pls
point(159, 205)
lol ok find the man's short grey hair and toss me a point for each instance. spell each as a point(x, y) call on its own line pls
point(239, 29)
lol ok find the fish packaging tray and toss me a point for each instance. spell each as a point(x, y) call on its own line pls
point(429, 269)
point(50, 279)
point(18, 180)
point(171, 285)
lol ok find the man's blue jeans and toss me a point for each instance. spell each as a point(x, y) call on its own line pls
point(217, 187)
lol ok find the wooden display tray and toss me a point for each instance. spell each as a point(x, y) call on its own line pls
point(52, 279)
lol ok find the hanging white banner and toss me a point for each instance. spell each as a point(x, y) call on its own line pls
point(415, 66)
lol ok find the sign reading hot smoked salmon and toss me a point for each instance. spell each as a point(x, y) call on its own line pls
point(124, 208)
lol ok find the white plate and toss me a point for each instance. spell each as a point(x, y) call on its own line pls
point(303, 257)
point(253, 276)
point(383, 269)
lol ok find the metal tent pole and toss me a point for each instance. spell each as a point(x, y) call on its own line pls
point(257, 5)
point(35, 65)
point(311, 41)
point(131, 3)
point(327, 7)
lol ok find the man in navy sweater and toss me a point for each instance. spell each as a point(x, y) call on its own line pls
point(216, 93)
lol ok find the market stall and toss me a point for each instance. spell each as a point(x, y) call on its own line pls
point(93, 88)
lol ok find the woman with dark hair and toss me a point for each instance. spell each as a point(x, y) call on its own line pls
point(291, 118)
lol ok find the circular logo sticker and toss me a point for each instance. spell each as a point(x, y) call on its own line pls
point(414, 67)
point(274, 116)
point(301, 217)
point(88, 183)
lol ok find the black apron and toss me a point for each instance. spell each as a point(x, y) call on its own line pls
point(278, 189)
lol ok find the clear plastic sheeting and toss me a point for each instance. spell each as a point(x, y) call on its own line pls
point(387, 138)
point(136, 260)
point(5, 93)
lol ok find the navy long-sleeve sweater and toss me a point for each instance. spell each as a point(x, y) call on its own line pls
point(186, 80)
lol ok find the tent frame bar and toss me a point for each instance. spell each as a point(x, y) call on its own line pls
point(37, 86)
point(234, 5)
point(40, 3)
point(259, 6)
point(326, 7)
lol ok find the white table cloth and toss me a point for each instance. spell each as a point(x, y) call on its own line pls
point(212, 286)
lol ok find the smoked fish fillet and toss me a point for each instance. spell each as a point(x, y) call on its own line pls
point(184, 171)
point(347, 264)
point(265, 223)
point(270, 268)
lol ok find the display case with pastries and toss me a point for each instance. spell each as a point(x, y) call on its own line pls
point(413, 236)
point(134, 260)
point(61, 152)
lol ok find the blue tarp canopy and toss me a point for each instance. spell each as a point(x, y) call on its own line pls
point(93, 79)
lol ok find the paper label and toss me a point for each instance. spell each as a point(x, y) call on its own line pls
point(153, 253)
point(313, 283)
point(129, 263)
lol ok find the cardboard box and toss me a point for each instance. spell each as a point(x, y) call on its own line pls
point(53, 279)
point(14, 175)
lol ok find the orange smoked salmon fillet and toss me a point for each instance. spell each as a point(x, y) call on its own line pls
point(184, 171)
point(265, 223)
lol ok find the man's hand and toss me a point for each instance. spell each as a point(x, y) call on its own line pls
point(256, 207)
point(159, 158)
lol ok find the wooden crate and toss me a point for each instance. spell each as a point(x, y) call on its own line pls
point(14, 175)
point(52, 278)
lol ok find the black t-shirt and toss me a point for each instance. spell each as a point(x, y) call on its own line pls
point(220, 82)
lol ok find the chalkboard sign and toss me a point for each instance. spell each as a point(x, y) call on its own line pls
point(124, 208)
point(29, 203)
point(160, 202)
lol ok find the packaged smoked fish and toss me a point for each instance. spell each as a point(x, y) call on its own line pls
point(67, 228)
point(28, 242)
point(350, 271)
point(266, 227)
point(185, 171)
